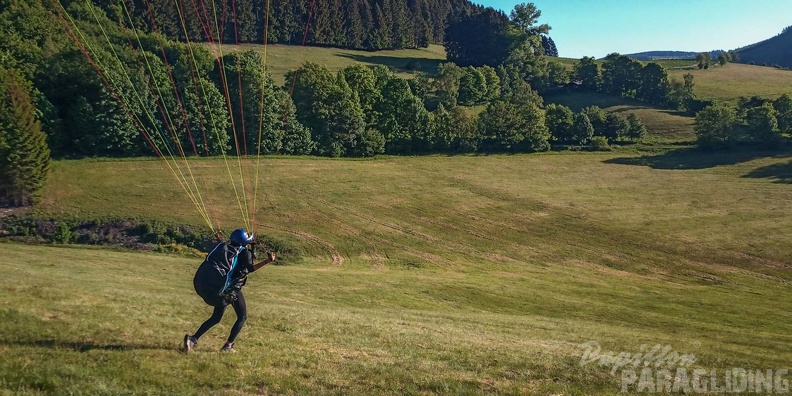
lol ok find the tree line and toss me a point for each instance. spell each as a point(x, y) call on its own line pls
point(356, 24)
point(193, 103)
point(626, 77)
point(752, 121)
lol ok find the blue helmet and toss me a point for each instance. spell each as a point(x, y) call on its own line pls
point(241, 237)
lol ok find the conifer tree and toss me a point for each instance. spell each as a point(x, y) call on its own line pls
point(24, 154)
point(355, 32)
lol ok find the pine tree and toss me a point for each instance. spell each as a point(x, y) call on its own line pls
point(245, 21)
point(196, 28)
point(383, 30)
point(324, 24)
point(493, 83)
point(404, 29)
point(353, 25)
point(367, 22)
point(421, 28)
point(637, 128)
point(343, 122)
point(363, 82)
point(24, 154)
point(549, 46)
point(296, 138)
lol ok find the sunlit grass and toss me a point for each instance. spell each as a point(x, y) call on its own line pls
point(662, 125)
point(282, 58)
point(727, 83)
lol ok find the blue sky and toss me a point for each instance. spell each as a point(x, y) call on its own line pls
point(599, 27)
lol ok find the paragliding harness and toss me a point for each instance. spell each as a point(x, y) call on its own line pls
point(214, 281)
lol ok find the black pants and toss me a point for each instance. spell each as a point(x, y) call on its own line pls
point(241, 312)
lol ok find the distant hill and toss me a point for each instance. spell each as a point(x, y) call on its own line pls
point(773, 51)
point(656, 55)
point(653, 55)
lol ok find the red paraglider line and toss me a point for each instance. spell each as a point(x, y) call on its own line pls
point(261, 116)
point(226, 94)
point(119, 98)
point(172, 80)
point(101, 75)
point(221, 29)
point(294, 79)
point(208, 32)
point(305, 40)
point(198, 97)
point(239, 80)
point(243, 133)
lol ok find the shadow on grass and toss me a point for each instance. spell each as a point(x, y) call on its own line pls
point(408, 65)
point(86, 346)
point(692, 158)
point(778, 173)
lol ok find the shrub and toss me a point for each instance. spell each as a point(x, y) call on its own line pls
point(62, 234)
point(600, 143)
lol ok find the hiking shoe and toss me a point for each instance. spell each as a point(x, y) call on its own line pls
point(189, 343)
point(228, 347)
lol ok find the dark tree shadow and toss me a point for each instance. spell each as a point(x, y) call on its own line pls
point(409, 65)
point(778, 173)
point(86, 346)
point(692, 158)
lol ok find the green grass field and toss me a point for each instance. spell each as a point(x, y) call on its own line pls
point(727, 83)
point(456, 275)
point(282, 58)
point(663, 125)
point(723, 83)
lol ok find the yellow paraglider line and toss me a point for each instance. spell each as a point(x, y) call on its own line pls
point(241, 91)
point(245, 213)
point(203, 89)
point(170, 120)
point(168, 123)
point(74, 31)
point(261, 113)
point(191, 188)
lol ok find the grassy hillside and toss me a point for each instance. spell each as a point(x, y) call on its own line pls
point(729, 82)
point(722, 83)
point(451, 275)
point(282, 58)
point(663, 125)
point(432, 203)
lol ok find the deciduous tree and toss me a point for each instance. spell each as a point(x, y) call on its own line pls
point(763, 126)
point(715, 126)
point(559, 120)
point(783, 107)
point(582, 131)
point(587, 72)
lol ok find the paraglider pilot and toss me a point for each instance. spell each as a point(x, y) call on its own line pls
point(219, 282)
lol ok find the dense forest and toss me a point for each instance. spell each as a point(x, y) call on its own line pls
point(357, 24)
point(774, 51)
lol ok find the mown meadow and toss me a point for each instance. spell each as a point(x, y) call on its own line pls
point(460, 274)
